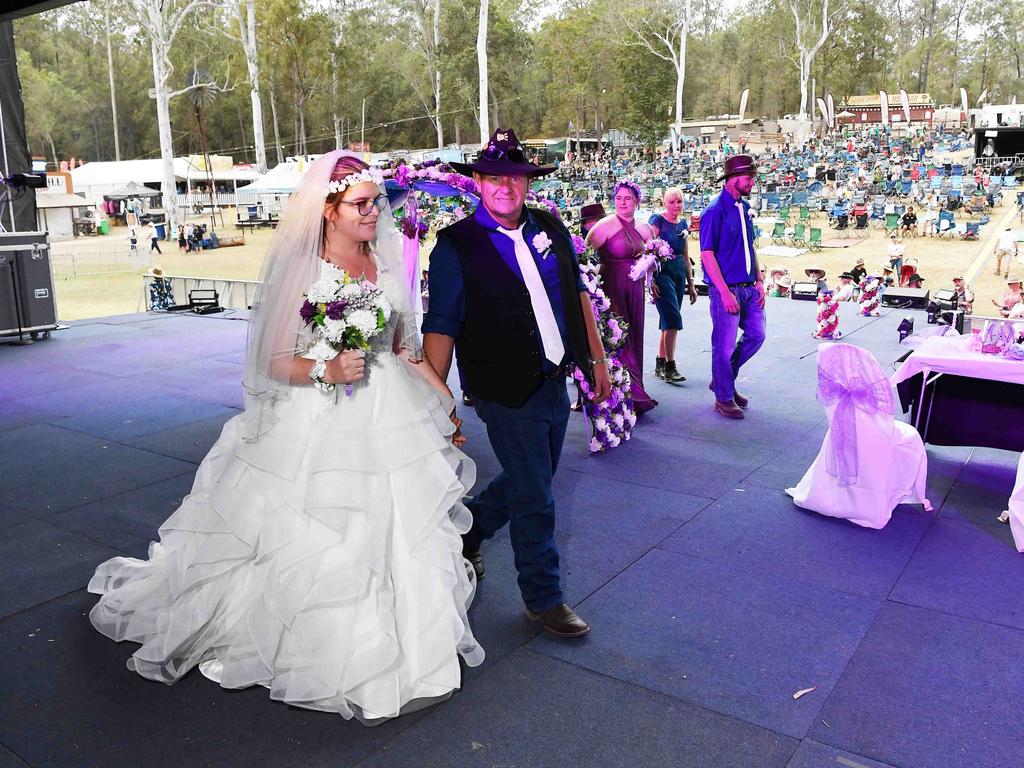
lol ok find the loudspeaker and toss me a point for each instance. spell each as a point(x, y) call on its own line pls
point(944, 297)
point(804, 291)
point(905, 298)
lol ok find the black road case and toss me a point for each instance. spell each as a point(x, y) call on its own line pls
point(27, 303)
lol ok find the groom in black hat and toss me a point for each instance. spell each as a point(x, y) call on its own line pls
point(506, 293)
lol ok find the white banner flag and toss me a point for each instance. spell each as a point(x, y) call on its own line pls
point(905, 98)
point(823, 109)
point(884, 103)
point(743, 102)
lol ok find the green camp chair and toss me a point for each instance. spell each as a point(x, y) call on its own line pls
point(892, 222)
point(798, 236)
point(779, 233)
point(805, 214)
point(815, 242)
point(784, 213)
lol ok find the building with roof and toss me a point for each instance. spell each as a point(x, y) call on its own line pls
point(867, 110)
point(94, 180)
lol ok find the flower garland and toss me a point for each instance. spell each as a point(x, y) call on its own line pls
point(869, 298)
point(371, 175)
point(828, 316)
point(611, 421)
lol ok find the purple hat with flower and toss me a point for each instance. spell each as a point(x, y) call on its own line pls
point(503, 155)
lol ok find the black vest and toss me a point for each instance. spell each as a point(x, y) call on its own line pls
point(498, 349)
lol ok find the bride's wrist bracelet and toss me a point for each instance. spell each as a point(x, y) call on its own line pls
point(316, 375)
point(603, 361)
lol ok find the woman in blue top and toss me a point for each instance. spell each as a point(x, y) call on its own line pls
point(673, 280)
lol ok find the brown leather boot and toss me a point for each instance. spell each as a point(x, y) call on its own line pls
point(729, 409)
point(740, 400)
point(560, 621)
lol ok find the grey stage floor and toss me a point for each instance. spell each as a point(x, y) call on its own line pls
point(712, 598)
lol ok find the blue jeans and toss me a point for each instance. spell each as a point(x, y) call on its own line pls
point(527, 442)
point(728, 354)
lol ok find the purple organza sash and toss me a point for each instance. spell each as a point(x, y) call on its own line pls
point(849, 394)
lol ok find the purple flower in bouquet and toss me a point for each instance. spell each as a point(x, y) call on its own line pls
point(335, 310)
point(579, 245)
point(307, 312)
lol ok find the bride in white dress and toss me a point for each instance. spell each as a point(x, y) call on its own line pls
point(319, 552)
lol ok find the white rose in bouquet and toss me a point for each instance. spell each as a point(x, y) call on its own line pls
point(363, 321)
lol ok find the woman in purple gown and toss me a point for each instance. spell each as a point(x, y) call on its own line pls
point(618, 240)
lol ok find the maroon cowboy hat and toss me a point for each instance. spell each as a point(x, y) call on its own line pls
point(503, 155)
point(592, 212)
point(738, 165)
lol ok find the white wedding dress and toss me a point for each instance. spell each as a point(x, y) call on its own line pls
point(323, 560)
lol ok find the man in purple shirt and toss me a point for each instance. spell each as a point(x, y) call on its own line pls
point(734, 281)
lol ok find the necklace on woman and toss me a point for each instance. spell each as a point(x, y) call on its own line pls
point(351, 273)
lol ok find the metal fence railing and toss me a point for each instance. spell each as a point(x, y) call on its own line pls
point(232, 294)
point(103, 256)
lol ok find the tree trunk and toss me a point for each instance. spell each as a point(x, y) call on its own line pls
point(481, 61)
point(684, 33)
point(163, 120)
point(110, 70)
point(247, 27)
point(926, 62)
point(437, 73)
point(277, 131)
point(53, 150)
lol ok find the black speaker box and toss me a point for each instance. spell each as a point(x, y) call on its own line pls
point(804, 291)
point(905, 298)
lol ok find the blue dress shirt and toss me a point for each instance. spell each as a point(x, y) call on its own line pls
point(721, 232)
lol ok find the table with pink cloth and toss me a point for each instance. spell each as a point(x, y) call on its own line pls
point(978, 399)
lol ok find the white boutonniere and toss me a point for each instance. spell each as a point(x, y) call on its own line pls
point(542, 244)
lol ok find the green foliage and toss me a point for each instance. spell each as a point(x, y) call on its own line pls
point(545, 71)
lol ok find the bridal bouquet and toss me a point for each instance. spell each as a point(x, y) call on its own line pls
point(345, 314)
point(650, 259)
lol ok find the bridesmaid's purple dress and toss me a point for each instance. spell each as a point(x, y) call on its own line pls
point(627, 297)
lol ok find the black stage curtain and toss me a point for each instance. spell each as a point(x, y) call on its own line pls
point(14, 157)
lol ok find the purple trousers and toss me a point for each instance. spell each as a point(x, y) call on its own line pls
point(727, 353)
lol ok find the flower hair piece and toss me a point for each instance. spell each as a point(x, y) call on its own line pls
point(632, 186)
point(372, 175)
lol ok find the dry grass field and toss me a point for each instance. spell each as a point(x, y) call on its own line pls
point(96, 278)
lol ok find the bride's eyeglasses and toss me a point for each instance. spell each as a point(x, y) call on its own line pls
point(367, 206)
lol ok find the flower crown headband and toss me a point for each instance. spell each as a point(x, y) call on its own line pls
point(372, 175)
point(631, 186)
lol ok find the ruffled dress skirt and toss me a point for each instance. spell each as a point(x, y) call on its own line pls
point(322, 561)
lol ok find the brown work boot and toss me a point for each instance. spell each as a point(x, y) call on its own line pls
point(560, 621)
point(740, 400)
point(729, 409)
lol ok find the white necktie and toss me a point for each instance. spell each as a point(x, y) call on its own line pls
point(743, 230)
point(554, 350)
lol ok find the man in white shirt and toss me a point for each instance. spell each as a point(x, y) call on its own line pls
point(1006, 248)
point(896, 253)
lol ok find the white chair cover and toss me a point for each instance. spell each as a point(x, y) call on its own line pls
point(868, 462)
point(1016, 507)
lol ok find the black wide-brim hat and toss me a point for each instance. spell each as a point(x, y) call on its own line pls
point(592, 212)
point(503, 155)
point(738, 165)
